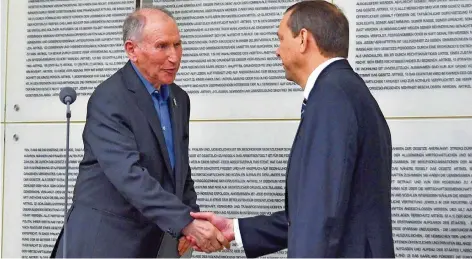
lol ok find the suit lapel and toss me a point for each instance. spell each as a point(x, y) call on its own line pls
point(144, 101)
point(175, 113)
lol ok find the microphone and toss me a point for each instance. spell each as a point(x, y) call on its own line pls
point(67, 97)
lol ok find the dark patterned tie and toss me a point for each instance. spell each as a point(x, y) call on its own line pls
point(303, 105)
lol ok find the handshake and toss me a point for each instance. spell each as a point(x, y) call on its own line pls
point(206, 233)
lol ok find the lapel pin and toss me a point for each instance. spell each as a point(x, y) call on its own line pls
point(175, 102)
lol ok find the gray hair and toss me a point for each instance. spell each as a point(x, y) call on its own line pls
point(134, 23)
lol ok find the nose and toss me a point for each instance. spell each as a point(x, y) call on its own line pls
point(173, 54)
point(277, 52)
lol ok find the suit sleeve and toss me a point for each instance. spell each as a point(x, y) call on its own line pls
point(329, 150)
point(262, 235)
point(113, 144)
point(189, 196)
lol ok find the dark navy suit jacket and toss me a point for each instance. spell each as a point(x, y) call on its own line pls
point(127, 195)
point(338, 178)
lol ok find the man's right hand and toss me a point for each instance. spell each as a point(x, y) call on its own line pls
point(225, 225)
point(205, 235)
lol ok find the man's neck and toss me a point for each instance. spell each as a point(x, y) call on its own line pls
point(156, 86)
point(311, 65)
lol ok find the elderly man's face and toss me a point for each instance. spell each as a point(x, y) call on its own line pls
point(159, 52)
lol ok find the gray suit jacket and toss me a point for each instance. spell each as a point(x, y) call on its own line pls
point(127, 195)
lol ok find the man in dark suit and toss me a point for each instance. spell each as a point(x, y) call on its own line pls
point(337, 201)
point(134, 185)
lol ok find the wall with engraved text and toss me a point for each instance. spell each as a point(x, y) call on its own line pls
point(415, 56)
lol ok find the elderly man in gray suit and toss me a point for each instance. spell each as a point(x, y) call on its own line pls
point(134, 186)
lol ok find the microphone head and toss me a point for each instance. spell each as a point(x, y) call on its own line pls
point(67, 95)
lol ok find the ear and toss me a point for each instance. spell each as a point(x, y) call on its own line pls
point(130, 48)
point(303, 35)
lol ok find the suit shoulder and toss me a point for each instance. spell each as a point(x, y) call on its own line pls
point(347, 84)
point(351, 90)
point(330, 89)
point(329, 96)
point(108, 89)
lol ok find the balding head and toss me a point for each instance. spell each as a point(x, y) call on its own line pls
point(135, 22)
point(152, 43)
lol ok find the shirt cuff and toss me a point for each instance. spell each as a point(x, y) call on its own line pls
point(237, 234)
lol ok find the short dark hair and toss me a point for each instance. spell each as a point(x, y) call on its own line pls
point(325, 21)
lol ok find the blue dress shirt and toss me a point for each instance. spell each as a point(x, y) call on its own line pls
point(160, 99)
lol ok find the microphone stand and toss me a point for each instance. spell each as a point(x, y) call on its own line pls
point(67, 95)
point(68, 115)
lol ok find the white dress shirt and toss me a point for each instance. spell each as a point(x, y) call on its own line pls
point(315, 74)
point(309, 85)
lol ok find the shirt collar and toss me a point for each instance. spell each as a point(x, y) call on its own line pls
point(314, 75)
point(164, 90)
